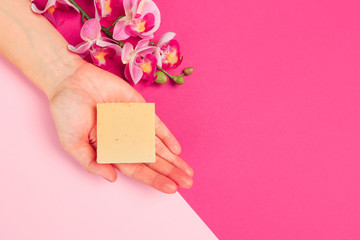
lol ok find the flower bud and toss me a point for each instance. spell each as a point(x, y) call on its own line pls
point(179, 79)
point(188, 71)
point(161, 78)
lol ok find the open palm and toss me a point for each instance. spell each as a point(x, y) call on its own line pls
point(73, 108)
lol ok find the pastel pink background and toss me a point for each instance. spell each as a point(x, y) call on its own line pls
point(270, 118)
point(46, 195)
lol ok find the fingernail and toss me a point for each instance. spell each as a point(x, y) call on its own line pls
point(177, 149)
point(189, 172)
point(170, 188)
point(106, 179)
point(109, 180)
point(188, 183)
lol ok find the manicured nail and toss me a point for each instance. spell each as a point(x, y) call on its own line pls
point(188, 183)
point(189, 172)
point(109, 180)
point(177, 148)
point(170, 188)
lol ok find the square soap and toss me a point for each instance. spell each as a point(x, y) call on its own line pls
point(125, 132)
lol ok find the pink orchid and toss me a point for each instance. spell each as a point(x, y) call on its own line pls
point(167, 51)
point(107, 9)
point(49, 10)
point(142, 18)
point(141, 63)
point(101, 48)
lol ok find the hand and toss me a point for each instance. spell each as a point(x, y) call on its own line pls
point(74, 87)
point(73, 107)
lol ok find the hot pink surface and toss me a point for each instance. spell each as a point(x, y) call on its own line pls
point(270, 118)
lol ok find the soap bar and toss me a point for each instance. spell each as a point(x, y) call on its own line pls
point(125, 132)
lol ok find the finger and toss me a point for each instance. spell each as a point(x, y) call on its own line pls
point(143, 174)
point(174, 173)
point(86, 155)
point(166, 136)
point(166, 154)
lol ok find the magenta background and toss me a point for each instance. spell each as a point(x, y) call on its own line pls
point(270, 118)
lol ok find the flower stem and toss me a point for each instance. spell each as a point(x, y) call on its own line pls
point(80, 9)
point(168, 74)
point(105, 30)
point(113, 24)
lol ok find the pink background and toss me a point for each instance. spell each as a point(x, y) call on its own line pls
point(269, 120)
point(46, 195)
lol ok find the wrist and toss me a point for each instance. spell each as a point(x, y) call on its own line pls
point(57, 71)
point(34, 46)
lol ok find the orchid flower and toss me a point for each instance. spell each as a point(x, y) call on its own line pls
point(100, 48)
point(142, 18)
point(167, 51)
point(49, 11)
point(141, 63)
point(108, 9)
